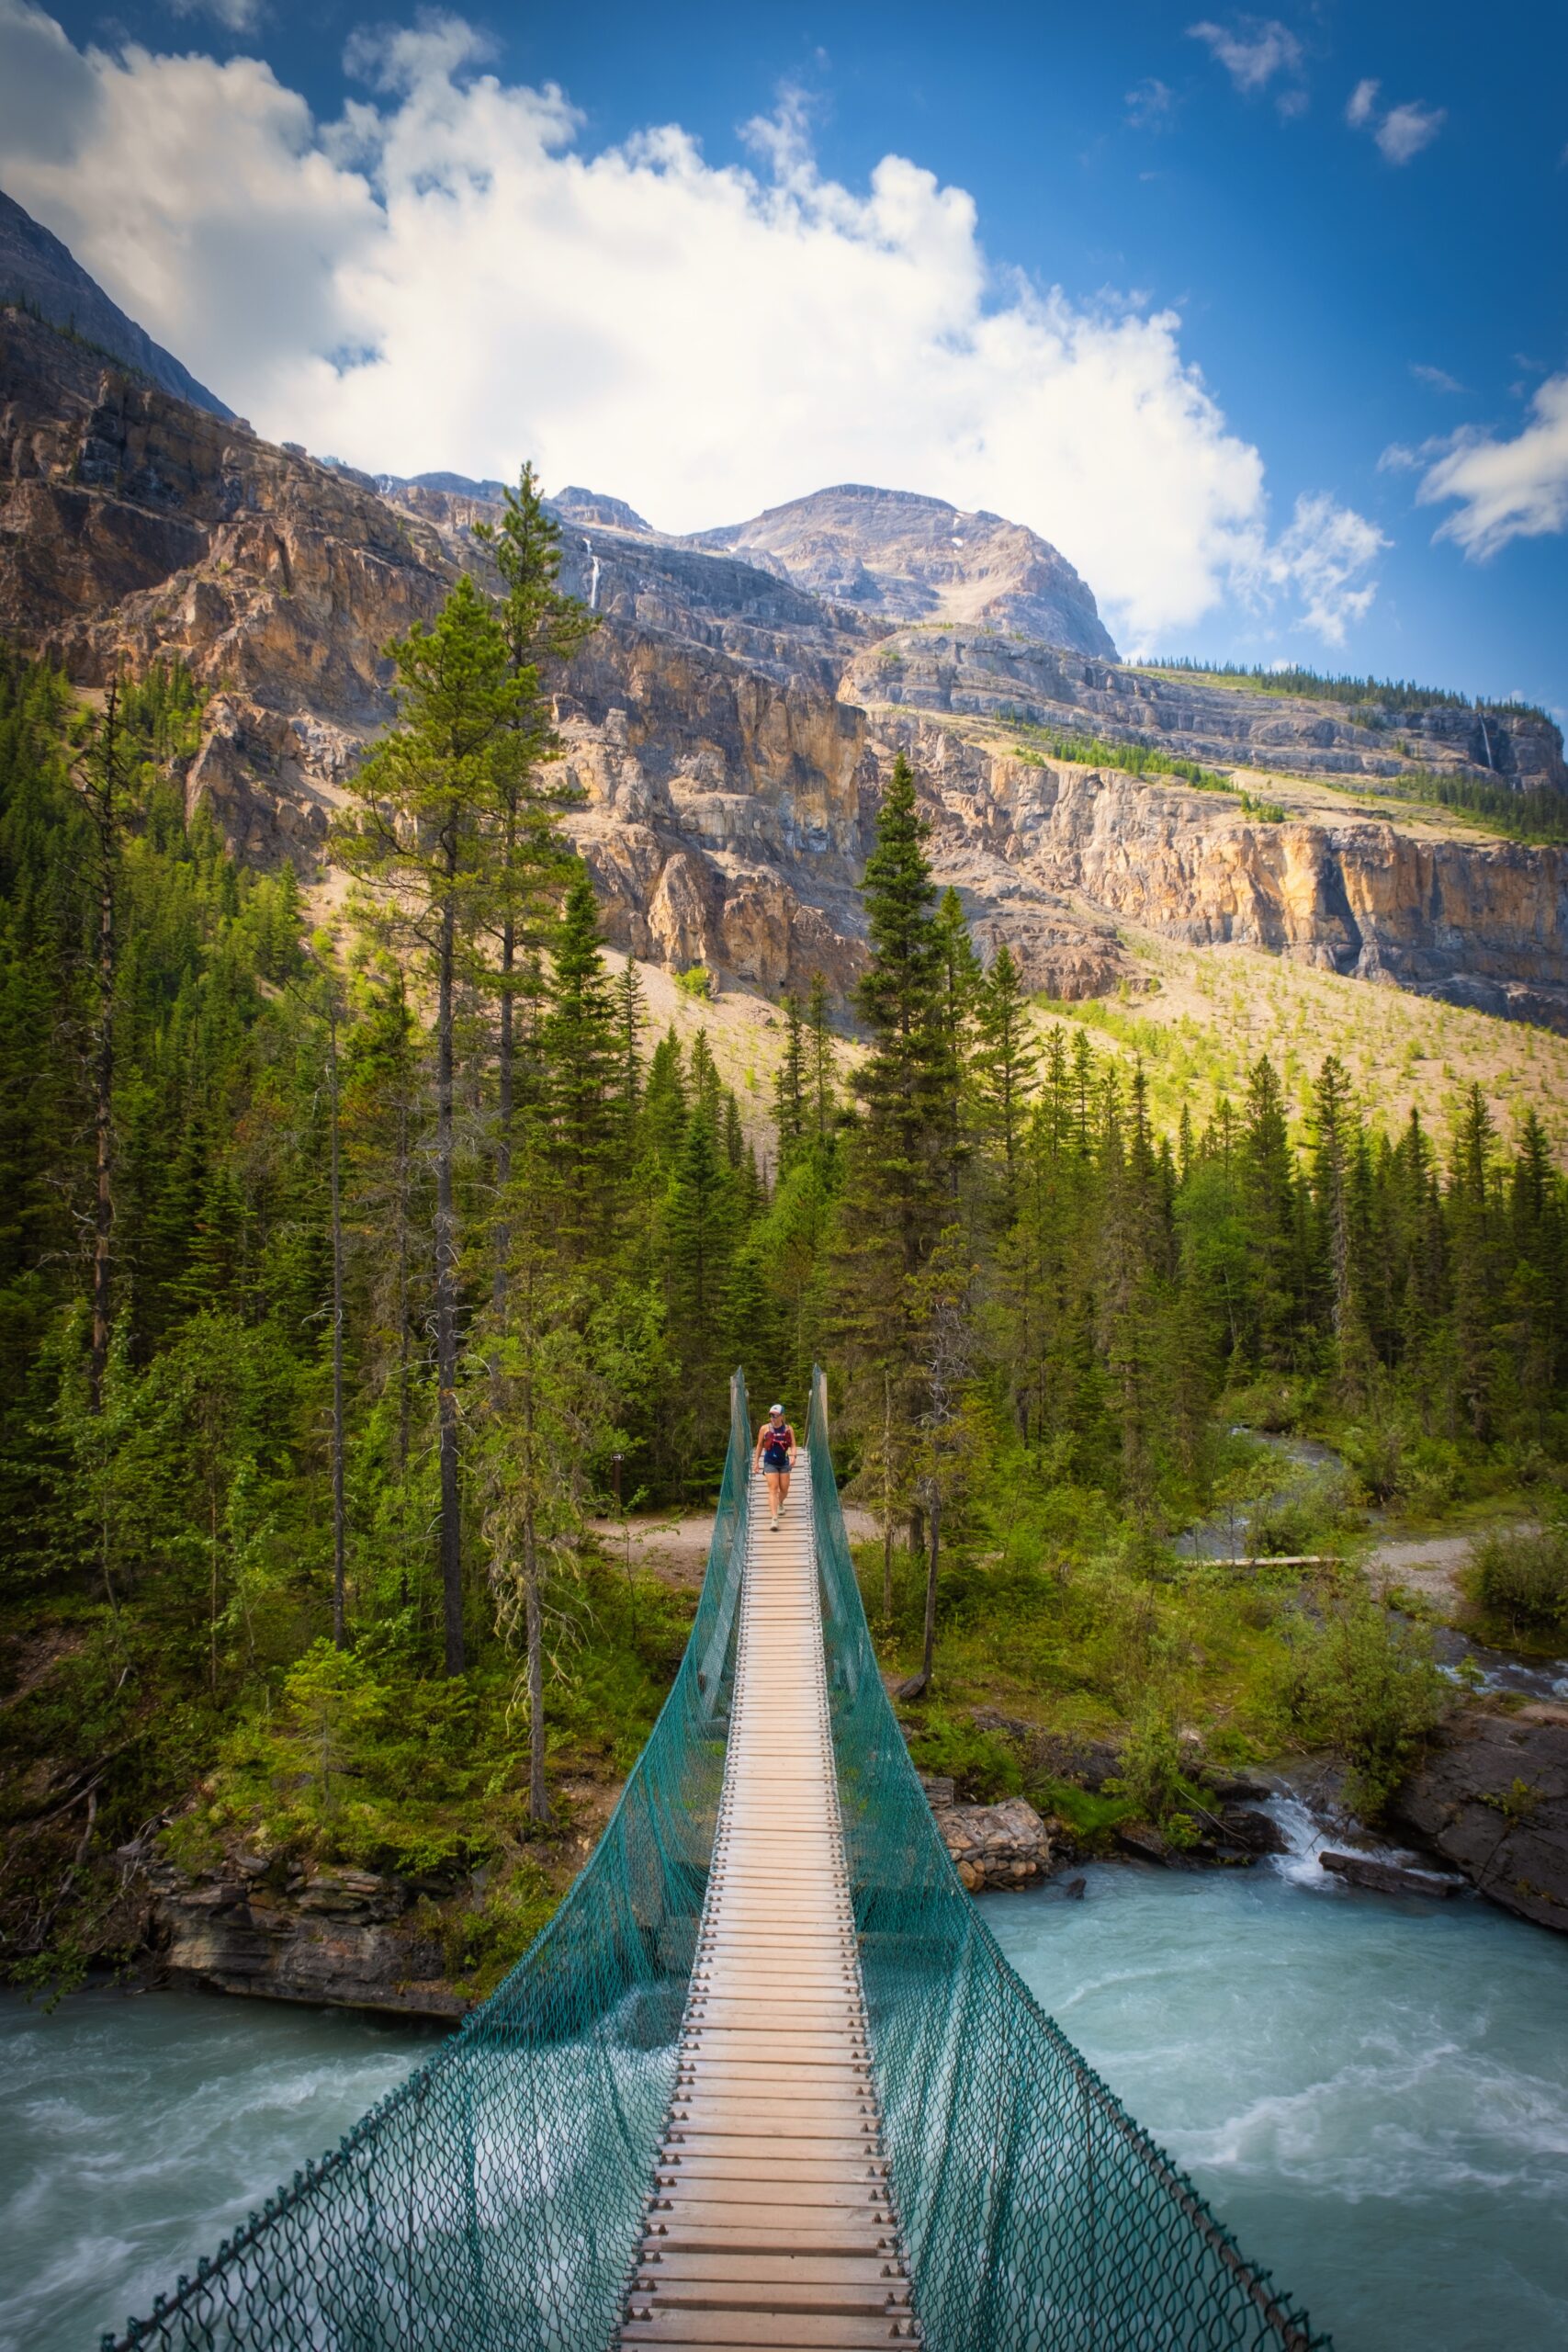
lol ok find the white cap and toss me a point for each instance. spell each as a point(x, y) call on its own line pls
point(776, 1408)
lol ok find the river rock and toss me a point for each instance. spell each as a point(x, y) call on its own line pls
point(1389, 1878)
point(1491, 1800)
point(995, 1845)
point(1254, 1833)
point(346, 1939)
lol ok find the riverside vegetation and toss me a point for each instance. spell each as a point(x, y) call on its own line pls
point(344, 1270)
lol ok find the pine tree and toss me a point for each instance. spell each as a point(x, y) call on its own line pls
point(543, 630)
point(909, 1079)
point(822, 1068)
point(102, 775)
point(1003, 1073)
point(583, 1060)
point(701, 1233)
point(790, 1087)
point(428, 798)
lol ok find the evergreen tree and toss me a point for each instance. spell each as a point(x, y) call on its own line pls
point(583, 1060)
point(790, 1087)
point(1003, 1071)
point(427, 800)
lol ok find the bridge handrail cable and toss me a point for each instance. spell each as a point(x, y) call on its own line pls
point(1035, 2211)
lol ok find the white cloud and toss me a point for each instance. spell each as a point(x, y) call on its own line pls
point(1150, 104)
point(1406, 130)
point(1322, 558)
point(1514, 489)
point(1437, 379)
point(1252, 52)
point(1402, 130)
point(234, 16)
point(1363, 104)
point(444, 277)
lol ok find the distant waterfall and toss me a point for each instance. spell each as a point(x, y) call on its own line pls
point(592, 577)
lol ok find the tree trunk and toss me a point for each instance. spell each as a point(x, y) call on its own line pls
point(105, 817)
point(887, 1498)
point(917, 1529)
point(539, 1795)
point(928, 1646)
point(447, 1307)
point(340, 1523)
point(918, 1684)
point(505, 1083)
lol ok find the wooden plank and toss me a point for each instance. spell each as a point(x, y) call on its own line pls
point(771, 2223)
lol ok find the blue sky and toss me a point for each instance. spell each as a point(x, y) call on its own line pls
point(1355, 214)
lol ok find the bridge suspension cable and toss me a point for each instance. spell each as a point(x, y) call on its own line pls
point(766, 2009)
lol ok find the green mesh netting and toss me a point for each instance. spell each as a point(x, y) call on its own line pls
point(1036, 2216)
point(496, 2199)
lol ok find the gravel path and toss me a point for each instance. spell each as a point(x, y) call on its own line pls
point(1431, 1566)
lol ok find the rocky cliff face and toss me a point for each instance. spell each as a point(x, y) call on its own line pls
point(40, 273)
point(728, 726)
point(1004, 676)
point(1478, 922)
point(902, 558)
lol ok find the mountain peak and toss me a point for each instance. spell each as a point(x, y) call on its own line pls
point(906, 556)
point(41, 274)
point(581, 505)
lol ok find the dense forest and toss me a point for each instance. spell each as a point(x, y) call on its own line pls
point(1372, 693)
point(351, 1262)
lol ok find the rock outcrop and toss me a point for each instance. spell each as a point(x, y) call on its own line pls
point(904, 558)
point(347, 1939)
point(1001, 675)
point(1478, 922)
point(1492, 1801)
point(37, 272)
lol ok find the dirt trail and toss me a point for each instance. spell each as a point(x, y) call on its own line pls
point(675, 1549)
point(1432, 1565)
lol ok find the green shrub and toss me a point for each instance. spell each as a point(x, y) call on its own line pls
point(1363, 1683)
point(981, 1765)
point(1151, 1774)
point(697, 982)
point(1522, 1580)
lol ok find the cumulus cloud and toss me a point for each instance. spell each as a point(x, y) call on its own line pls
point(1400, 131)
point(234, 16)
point(1363, 104)
point(1150, 104)
point(1322, 558)
point(1253, 50)
point(1406, 130)
point(1510, 488)
point(446, 277)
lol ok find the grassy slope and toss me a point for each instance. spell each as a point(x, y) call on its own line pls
point(1212, 1010)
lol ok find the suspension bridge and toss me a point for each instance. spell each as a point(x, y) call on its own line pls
point(765, 2080)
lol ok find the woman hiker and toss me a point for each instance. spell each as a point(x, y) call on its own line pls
point(775, 1458)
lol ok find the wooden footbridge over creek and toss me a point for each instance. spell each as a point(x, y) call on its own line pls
point(764, 2080)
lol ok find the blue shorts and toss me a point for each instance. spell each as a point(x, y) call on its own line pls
point(776, 1458)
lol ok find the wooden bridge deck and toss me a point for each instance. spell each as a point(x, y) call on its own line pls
point(772, 2222)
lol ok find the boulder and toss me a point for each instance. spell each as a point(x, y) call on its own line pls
point(1491, 1800)
point(1389, 1878)
point(995, 1845)
point(346, 1937)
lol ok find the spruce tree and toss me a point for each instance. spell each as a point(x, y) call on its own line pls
point(1003, 1071)
point(790, 1087)
point(909, 1079)
point(422, 835)
point(583, 1064)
